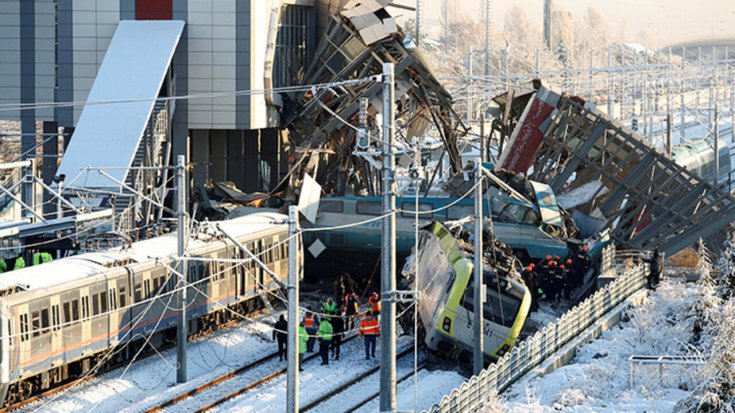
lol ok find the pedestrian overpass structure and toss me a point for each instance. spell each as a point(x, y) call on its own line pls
point(645, 198)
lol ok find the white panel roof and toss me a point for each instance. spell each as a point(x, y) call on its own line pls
point(133, 70)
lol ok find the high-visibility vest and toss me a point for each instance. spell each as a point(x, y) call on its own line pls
point(326, 330)
point(309, 320)
point(303, 338)
point(41, 258)
point(19, 263)
point(330, 307)
point(369, 326)
point(375, 304)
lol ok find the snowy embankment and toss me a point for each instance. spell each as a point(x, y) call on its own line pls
point(598, 378)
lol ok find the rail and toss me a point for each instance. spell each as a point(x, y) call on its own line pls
point(530, 353)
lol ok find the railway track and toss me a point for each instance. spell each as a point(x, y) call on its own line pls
point(363, 376)
point(226, 377)
point(113, 367)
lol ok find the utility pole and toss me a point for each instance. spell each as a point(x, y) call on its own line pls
point(547, 25)
point(388, 254)
point(418, 22)
point(479, 342)
point(488, 26)
point(592, 58)
point(610, 84)
point(471, 84)
point(182, 331)
point(682, 110)
point(669, 130)
point(292, 402)
point(716, 175)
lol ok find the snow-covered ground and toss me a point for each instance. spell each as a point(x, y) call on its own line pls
point(598, 378)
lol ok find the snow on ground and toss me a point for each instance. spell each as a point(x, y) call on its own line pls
point(432, 386)
point(315, 380)
point(598, 378)
point(153, 379)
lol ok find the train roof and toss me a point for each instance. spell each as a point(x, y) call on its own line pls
point(85, 265)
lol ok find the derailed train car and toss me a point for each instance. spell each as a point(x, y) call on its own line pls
point(444, 278)
point(61, 319)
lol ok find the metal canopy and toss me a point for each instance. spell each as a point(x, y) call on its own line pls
point(131, 75)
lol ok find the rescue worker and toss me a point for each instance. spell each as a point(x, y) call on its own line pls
point(326, 332)
point(350, 310)
point(3, 266)
point(529, 277)
point(303, 339)
point(375, 303)
point(280, 333)
point(369, 329)
point(562, 281)
point(656, 263)
point(550, 283)
point(338, 324)
point(329, 307)
point(41, 258)
point(311, 323)
point(19, 263)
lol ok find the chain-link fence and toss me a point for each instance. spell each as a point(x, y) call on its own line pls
point(472, 394)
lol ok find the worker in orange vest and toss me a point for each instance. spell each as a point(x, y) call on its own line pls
point(374, 303)
point(311, 321)
point(369, 329)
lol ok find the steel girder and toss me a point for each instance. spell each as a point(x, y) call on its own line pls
point(652, 201)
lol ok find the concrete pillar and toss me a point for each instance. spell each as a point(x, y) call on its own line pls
point(200, 155)
point(50, 162)
point(252, 159)
point(218, 155)
point(235, 158)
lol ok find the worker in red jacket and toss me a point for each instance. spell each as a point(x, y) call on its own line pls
point(375, 303)
point(370, 330)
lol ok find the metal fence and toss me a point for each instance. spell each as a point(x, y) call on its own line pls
point(472, 394)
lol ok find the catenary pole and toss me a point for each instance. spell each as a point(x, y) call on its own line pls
point(478, 356)
point(181, 232)
point(292, 403)
point(388, 255)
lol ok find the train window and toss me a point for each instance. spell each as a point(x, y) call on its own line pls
point(221, 270)
point(67, 312)
point(501, 309)
point(36, 323)
point(369, 208)
point(409, 208)
point(75, 310)
point(147, 288)
point(122, 295)
point(95, 304)
point(156, 285)
point(85, 308)
point(103, 302)
point(113, 299)
point(331, 206)
point(460, 211)
point(44, 321)
point(24, 327)
point(137, 292)
point(55, 317)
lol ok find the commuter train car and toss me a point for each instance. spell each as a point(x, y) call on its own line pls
point(698, 157)
point(445, 281)
point(61, 319)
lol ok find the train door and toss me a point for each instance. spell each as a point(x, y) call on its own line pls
point(57, 341)
point(98, 318)
point(85, 320)
point(23, 339)
point(258, 271)
point(72, 329)
point(240, 273)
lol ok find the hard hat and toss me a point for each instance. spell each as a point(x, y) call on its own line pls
point(552, 263)
point(562, 266)
point(532, 265)
point(548, 257)
point(569, 261)
point(585, 249)
point(556, 257)
point(529, 268)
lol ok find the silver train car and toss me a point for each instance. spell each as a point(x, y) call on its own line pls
point(61, 319)
point(698, 156)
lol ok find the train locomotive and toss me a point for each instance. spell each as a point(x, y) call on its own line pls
point(61, 319)
point(445, 281)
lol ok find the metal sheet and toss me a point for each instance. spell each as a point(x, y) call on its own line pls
point(131, 75)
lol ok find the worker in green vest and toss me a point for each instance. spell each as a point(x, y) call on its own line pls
point(303, 338)
point(325, 339)
point(329, 307)
point(41, 258)
point(19, 263)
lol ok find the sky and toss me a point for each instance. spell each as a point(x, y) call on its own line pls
point(666, 21)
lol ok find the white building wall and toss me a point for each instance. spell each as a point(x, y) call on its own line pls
point(9, 56)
